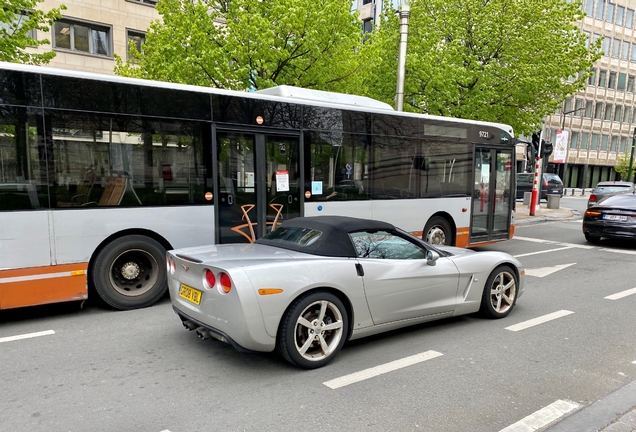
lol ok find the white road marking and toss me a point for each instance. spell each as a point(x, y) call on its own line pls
point(620, 251)
point(546, 271)
point(540, 320)
point(533, 240)
point(543, 417)
point(26, 336)
point(634, 362)
point(621, 294)
point(381, 369)
point(542, 252)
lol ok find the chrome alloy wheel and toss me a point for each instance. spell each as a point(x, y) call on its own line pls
point(134, 272)
point(318, 330)
point(503, 292)
point(436, 235)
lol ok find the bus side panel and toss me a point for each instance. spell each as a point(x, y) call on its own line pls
point(41, 285)
point(24, 239)
point(79, 232)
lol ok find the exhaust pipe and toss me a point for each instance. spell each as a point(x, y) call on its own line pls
point(203, 333)
point(189, 325)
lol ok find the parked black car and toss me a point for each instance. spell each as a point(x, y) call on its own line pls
point(615, 217)
point(551, 184)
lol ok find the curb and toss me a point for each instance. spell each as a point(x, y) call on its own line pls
point(541, 219)
point(601, 413)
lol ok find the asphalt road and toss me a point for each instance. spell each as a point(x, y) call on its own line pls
point(141, 371)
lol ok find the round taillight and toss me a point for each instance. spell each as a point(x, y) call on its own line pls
point(226, 282)
point(592, 197)
point(210, 280)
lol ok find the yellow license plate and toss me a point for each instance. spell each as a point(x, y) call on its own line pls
point(190, 294)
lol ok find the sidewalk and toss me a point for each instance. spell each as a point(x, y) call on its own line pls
point(542, 214)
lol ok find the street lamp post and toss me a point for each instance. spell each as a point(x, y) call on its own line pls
point(405, 13)
point(565, 162)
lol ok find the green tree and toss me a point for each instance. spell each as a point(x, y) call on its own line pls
point(241, 44)
point(508, 61)
point(622, 166)
point(18, 21)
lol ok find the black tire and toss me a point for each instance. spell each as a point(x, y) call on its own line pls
point(438, 232)
point(592, 238)
point(502, 275)
point(130, 272)
point(291, 333)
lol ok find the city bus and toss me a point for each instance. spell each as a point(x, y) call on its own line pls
point(101, 175)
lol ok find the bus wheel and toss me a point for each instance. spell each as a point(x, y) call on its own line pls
point(437, 231)
point(130, 272)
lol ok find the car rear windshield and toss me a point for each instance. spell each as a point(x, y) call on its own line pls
point(617, 188)
point(294, 235)
point(553, 178)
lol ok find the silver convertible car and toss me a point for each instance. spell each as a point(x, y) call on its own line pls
point(315, 282)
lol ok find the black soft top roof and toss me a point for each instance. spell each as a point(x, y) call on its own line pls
point(334, 240)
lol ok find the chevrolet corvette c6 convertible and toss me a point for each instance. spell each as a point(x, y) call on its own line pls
point(315, 282)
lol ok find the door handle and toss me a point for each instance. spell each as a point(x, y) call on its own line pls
point(230, 199)
point(290, 199)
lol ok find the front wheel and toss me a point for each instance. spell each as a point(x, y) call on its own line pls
point(313, 330)
point(130, 272)
point(438, 232)
point(500, 293)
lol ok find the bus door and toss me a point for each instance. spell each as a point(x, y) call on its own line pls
point(493, 196)
point(259, 185)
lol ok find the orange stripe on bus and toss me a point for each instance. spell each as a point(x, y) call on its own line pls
point(43, 291)
point(462, 237)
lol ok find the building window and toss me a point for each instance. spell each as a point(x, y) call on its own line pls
point(588, 35)
point(625, 51)
point(623, 145)
point(145, 2)
point(605, 47)
point(617, 113)
point(585, 137)
point(18, 22)
point(614, 144)
point(609, 109)
point(598, 111)
point(83, 37)
point(600, 9)
point(594, 144)
point(588, 108)
point(609, 12)
point(574, 141)
point(367, 26)
point(627, 114)
point(604, 140)
point(602, 78)
point(620, 13)
point(579, 108)
point(622, 78)
point(589, 7)
point(592, 79)
point(634, 116)
point(136, 38)
point(629, 18)
point(630, 84)
point(611, 83)
point(616, 48)
point(567, 105)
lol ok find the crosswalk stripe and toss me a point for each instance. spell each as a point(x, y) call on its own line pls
point(539, 320)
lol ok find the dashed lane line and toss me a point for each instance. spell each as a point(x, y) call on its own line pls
point(381, 369)
point(542, 252)
point(26, 336)
point(621, 294)
point(543, 417)
point(539, 320)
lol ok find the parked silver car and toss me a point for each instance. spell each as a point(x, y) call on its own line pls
point(313, 283)
point(605, 189)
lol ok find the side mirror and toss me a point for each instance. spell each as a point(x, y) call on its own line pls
point(431, 257)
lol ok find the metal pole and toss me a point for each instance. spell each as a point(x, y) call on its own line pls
point(405, 13)
point(536, 188)
point(567, 149)
point(631, 158)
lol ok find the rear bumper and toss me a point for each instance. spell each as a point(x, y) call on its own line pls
point(604, 229)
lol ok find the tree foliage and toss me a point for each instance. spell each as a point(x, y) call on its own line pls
point(18, 20)
point(622, 166)
point(508, 61)
point(241, 44)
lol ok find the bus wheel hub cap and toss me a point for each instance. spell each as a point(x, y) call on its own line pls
point(130, 270)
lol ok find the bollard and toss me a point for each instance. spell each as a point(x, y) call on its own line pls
point(572, 191)
point(554, 201)
point(582, 191)
point(527, 196)
point(565, 192)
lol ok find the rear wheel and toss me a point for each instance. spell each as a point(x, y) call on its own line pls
point(592, 238)
point(130, 272)
point(500, 293)
point(438, 231)
point(313, 330)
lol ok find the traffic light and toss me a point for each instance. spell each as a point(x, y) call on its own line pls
point(546, 148)
point(535, 143)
